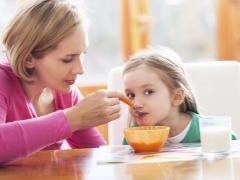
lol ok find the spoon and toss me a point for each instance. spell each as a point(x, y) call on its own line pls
point(128, 102)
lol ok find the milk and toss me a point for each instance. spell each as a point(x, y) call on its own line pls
point(215, 139)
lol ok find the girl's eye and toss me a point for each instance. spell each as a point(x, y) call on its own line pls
point(148, 92)
point(130, 96)
point(67, 60)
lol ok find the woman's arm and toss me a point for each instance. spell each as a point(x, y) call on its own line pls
point(86, 138)
point(19, 139)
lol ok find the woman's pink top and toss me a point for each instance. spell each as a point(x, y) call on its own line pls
point(22, 133)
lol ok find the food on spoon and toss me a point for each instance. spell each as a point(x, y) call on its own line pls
point(127, 101)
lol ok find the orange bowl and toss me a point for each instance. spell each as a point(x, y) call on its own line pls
point(146, 138)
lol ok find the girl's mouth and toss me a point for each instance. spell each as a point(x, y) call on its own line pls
point(141, 115)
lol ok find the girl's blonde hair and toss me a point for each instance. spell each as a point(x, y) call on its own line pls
point(168, 66)
point(36, 28)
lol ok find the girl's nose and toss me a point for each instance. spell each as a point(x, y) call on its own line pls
point(137, 103)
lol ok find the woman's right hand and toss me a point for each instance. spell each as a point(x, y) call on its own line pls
point(95, 109)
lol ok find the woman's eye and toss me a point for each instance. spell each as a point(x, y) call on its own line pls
point(148, 92)
point(67, 60)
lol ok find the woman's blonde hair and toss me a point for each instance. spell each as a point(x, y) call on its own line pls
point(168, 66)
point(36, 28)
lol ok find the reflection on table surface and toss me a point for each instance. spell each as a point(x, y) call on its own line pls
point(82, 164)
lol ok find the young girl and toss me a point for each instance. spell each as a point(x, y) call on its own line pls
point(155, 81)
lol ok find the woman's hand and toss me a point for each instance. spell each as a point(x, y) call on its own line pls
point(95, 109)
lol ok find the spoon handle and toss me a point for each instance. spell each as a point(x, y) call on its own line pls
point(127, 101)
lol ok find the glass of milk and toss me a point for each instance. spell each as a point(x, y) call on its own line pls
point(215, 134)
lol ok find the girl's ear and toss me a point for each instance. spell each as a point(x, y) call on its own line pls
point(178, 96)
point(29, 62)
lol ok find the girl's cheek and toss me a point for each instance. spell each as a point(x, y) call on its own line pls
point(131, 112)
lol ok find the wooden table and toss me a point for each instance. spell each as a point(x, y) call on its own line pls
point(82, 164)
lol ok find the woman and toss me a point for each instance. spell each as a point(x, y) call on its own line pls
point(45, 43)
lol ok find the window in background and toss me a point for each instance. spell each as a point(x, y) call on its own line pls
point(189, 27)
point(7, 8)
point(186, 26)
point(104, 51)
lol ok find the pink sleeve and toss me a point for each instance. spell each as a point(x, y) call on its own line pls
point(86, 138)
point(32, 135)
